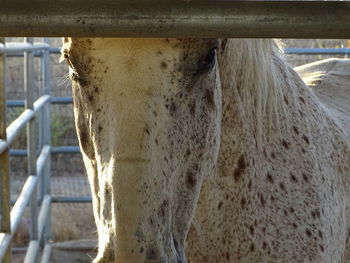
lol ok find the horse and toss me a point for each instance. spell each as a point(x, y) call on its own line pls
point(209, 150)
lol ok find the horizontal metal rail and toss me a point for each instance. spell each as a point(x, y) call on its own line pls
point(67, 199)
point(318, 51)
point(57, 149)
point(36, 53)
point(71, 199)
point(21, 47)
point(61, 100)
point(157, 18)
point(300, 50)
point(54, 100)
point(14, 128)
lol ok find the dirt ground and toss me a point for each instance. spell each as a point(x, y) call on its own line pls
point(75, 221)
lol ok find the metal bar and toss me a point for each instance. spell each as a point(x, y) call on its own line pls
point(66, 199)
point(16, 214)
point(157, 18)
point(31, 140)
point(13, 48)
point(71, 199)
point(14, 128)
point(43, 215)
point(32, 252)
point(54, 100)
point(5, 241)
point(317, 51)
point(40, 169)
point(15, 103)
point(62, 100)
point(66, 149)
point(46, 87)
point(40, 163)
point(19, 249)
point(301, 51)
point(46, 253)
point(36, 53)
point(42, 159)
point(57, 149)
point(40, 125)
point(5, 226)
point(18, 152)
point(22, 201)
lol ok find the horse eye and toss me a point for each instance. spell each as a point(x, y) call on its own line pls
point(209, 61)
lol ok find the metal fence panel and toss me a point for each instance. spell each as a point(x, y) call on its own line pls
point(38, 168)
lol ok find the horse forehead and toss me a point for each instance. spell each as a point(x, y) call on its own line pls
point(136, 45)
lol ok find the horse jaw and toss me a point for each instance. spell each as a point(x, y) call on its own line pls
point(148, 125)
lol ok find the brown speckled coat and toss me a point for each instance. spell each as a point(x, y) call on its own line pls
point(213, 147)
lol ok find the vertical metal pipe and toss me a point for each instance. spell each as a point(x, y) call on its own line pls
point(46, 80)
point(40, 117)
point(31, 137)
point(5, 225)
point(40, 125)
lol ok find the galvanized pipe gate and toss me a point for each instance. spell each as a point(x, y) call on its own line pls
point(36, 190)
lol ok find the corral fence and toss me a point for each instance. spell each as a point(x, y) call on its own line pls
point(36, 190)
point(122, 18)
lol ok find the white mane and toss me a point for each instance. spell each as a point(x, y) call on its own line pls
point(260, 75)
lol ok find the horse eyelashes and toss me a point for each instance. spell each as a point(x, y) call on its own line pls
point(209, 61)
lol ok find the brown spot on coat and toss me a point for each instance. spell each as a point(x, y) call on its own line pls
point(306, 139)
point(293, 178)
point(243, 202)
point(269, 178)
point(295, 129)
point(172, 108)
point(239, 170)
point(285, 144)
point(251, 230)
point(282, 186)
point(252, 247)
point(220, 205)
point(308, 232)
point(190, 179)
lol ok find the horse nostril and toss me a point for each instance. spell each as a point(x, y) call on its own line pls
point(151, 254)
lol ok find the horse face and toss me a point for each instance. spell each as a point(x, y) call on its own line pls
point(147, 114)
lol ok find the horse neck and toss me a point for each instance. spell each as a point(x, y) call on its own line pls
point(260, 92)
